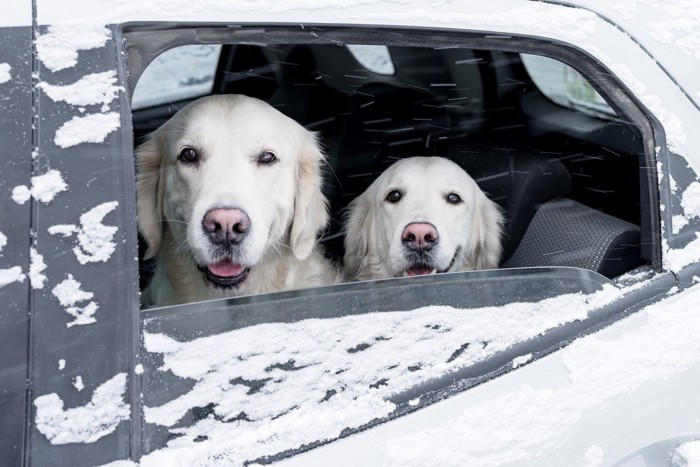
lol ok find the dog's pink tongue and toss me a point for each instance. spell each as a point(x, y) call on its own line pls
point(226, 268)
point(418, 271)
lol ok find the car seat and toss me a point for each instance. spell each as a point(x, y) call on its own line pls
point(543, 227)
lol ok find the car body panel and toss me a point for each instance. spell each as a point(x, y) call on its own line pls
point(77, 343)
point(556, 410)
point(16, 128)
point(101, 173)
point(668, 31)
point(585, 29)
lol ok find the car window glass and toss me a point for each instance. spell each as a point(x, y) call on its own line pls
point(480, 108)
point(565, 86)
point(177, 74)
point(376, 58)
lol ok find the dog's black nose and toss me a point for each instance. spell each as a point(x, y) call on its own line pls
point(419, 236)
point(226, 226)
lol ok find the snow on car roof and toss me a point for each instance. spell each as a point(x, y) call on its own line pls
point(664, 30)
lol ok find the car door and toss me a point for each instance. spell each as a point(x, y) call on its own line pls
point(83, 304)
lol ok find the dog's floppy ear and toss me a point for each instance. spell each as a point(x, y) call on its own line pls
point(310, 206)
point(150, 189)
point(486, 232)
point(359, 229)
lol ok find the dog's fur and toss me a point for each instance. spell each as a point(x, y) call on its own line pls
point(282, 200)
point(468, 232)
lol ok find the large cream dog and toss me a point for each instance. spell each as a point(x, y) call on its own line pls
point(421, 216)
point(229, 201)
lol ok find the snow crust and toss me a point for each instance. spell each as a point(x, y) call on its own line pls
point(3, 241)
point(87, 423)
point(58, 48)
point(573, 24)
point(95, 240)
point(10, 275)
point(686, 455)
point(5, 72)
point(134, 10)
point(62, 229)
point(594, 456)
point(675, 259)
point(95, 88)
point(673, 127)
point(678, 222)
point(92, 128)
point(21, 194)
point(61, 363)
point(123, 463)
point(277, 386)
point(691, 200)
point(522, 360)
point(44, 188)
point(69, 294)
point(678, 24)
point(490, 432)
point(78, 383)
point(36, 269)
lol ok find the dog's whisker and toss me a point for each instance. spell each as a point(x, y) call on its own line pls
point(276, 245)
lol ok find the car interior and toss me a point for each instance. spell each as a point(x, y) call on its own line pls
point(569, 178)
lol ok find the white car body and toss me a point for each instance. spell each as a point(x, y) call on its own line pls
point(623, 395)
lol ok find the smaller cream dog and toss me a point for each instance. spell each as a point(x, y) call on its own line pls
point(229, 202)
point(423, 215)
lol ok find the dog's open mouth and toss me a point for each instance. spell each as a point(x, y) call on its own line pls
point(420, 269)
point(225, 273)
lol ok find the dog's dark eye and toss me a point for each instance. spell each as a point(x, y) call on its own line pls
point(189, 156)
point(453, 198)
point(266, 157)
point(394, 196)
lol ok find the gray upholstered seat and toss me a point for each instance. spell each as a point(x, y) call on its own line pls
point(564, 232)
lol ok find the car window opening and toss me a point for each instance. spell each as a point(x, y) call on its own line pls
point(533, 133)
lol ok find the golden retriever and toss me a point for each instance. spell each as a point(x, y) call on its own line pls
point(229, 202)
point(421, 216)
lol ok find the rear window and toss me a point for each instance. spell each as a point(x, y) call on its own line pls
point(177, 74)
point(565, 86)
